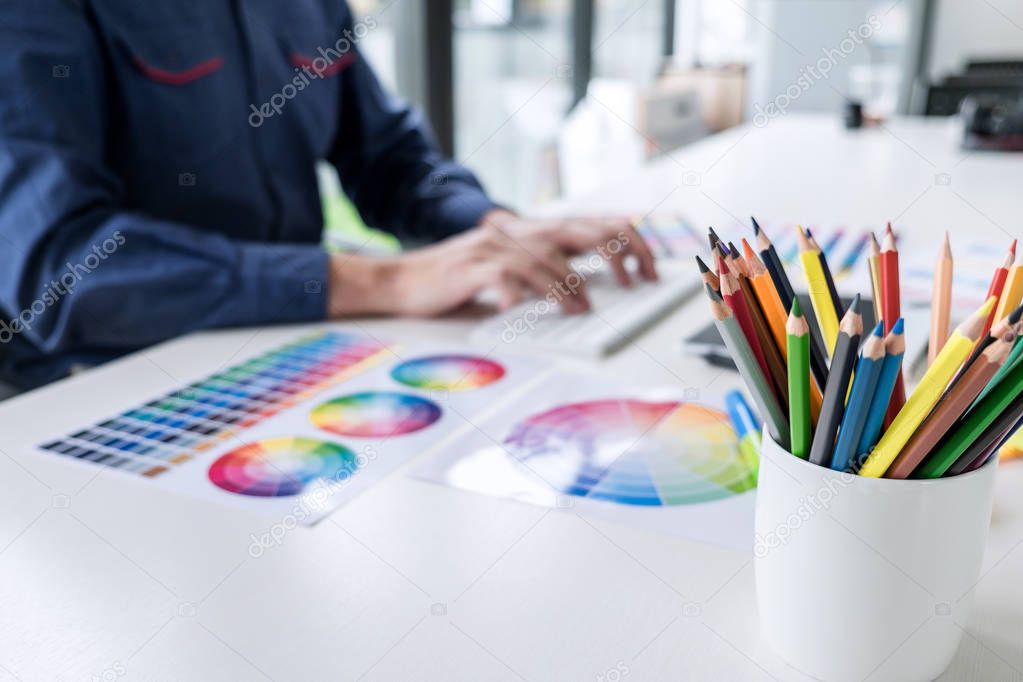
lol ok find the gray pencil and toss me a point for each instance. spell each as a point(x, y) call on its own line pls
point(738, 346)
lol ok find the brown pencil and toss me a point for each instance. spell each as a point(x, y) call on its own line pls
point(951, 406)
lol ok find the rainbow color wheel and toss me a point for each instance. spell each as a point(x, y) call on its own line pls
point(448, 372)
point(634, 452)
point(375, 414)
point(281, 466)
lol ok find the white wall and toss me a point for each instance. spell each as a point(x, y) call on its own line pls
point(974, 28)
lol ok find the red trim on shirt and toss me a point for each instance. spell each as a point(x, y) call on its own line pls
point(179, 77)
point(333, 68)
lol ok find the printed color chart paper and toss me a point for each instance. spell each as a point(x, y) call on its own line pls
point(647, 458)
point(302, 429)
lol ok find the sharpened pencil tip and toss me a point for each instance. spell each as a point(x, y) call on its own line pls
point(878, 329)
point(855, 305)
point(1012, 249)
point(748, 250)
point(1015, 315)
point(756, 225)
point(899, 327)
point(888, 228)
point(734, 251)
point(796, 310)
point(701, 265)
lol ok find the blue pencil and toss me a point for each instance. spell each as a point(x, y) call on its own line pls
point(747, 427)
point(895, 349)
point(868, 369)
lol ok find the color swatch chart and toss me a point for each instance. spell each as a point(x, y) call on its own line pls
point(156, 437)
point(633, 452)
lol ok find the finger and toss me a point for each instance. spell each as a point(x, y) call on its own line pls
point(637, 246)
point(538, 253)
point(543, 282)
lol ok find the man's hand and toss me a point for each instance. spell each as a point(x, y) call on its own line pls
point(517, 258)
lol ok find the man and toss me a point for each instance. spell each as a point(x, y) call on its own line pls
point(157, 176)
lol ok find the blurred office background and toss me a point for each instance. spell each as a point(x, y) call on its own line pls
point(545, 98)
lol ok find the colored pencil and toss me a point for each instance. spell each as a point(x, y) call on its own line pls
point(708, 275)
point(736, 300)
point(941, 301)
point(757, 382)
point(1014, 356)
point(1006, 396)
point(775, 360)
point(951, 406)
point(868, 370)
point(822, 254)
point(998, 281)
point(818, 358)
point(874, 263)
point(747, 428)
point(713, 237)
point(798, 341)
point(823, 308)
point(833, 408)
point(1012, 292)
point(894, 351)
point(962, 466)
point(927, 393)
point(1005, 326)
point(891, 309)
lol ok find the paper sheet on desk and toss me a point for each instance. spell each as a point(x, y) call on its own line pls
point(297, 432)
point(665, 461)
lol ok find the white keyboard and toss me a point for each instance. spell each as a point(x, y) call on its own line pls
point(617, 314)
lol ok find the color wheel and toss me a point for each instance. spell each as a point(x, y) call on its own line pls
point(448, 372)
point(280, 466)
point(634, 452)
point(375, 414)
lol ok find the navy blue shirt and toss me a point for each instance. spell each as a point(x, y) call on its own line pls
point(157, 169)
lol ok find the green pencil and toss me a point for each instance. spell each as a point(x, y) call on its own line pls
point(1010, 362)
point(972, 425)
point(798, 341)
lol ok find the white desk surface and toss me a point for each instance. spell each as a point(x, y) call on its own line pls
point(105, 577)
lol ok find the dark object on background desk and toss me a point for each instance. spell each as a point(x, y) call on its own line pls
point(992, 122)
point(853, 114)
point(946, 98)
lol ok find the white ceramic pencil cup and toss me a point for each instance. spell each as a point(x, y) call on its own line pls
point(863, 578)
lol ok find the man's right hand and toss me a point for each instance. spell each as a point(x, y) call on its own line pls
point(528, 260)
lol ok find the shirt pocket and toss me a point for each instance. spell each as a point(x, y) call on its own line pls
point(317, 63)
point(182, 101)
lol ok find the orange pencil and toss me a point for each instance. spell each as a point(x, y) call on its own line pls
point(774, 315)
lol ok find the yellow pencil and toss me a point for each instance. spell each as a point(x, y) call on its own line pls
point(927, 393)
point(874, 262)
point(820, 293)
point(1012, 292)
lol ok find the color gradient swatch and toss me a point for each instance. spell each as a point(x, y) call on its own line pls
point(634, 452)
point(151, 439)
point(448, 372)
point(375, 414)
point(281, 466)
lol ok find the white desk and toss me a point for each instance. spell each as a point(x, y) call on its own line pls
point(104, 576)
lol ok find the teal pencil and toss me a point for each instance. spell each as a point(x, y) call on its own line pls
point(894, 350)
point(868, 370)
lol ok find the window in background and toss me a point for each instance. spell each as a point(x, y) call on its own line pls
point(513, 86)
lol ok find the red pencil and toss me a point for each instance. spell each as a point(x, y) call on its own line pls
point(891, 311)
point(997, 285)
point(733, 296)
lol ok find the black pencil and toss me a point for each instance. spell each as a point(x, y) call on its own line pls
point(833, 403)
point(713, 238)
point(989, 437)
